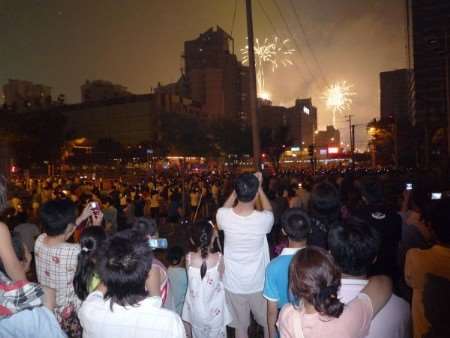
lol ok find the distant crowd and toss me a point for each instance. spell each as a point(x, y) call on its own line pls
point(339, 254)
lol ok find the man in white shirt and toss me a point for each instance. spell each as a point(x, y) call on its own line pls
point(246, 252)
point(354, 246)
point(121, 306)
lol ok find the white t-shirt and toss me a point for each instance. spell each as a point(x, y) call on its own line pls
point(394, 319)
point(246, 251)
point(147, 319)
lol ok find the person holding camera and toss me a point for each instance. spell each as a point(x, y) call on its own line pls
point(246, 251)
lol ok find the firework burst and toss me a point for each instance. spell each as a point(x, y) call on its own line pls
point(273, 52)
point(338, 98)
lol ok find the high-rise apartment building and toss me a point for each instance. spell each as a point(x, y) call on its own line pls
point(394, 93)
point(429, 53)
point(395, 112)
point(216, 78)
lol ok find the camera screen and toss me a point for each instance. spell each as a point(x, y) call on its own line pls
point(436, 195)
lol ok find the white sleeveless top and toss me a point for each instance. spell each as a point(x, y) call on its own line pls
point(205, 305)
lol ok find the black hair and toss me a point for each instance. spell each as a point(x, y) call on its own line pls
point(19, 250)
point(296, 224)
point(175, 254)
point(22, 217)
point(56, 215)
point(354, 246)
point(145, 226)
point(3, 193)
point(106, 199)
point(124, 262)
point(201, 235)
point(325, 202)
point(372, 190)
point(246, 187)
point(90, 240)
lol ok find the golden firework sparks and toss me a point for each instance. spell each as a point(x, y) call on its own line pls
point(338, 98)
point(273, 52)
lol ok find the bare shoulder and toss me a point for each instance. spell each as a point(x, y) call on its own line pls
point(3, 227)
point(4, 232)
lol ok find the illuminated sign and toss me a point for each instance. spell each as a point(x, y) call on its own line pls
point(333, 150)
point(295, 148)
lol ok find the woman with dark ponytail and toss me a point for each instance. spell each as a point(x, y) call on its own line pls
point(314, 282)
point(205, 307)
point(86, 279)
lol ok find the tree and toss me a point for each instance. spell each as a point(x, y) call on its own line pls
point(38, 136)
point(183, 134)
point(273, 142)
point(231, 137)
point(382, 139)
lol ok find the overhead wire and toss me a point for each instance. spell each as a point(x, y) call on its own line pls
point(275, 31)
point(294, 40)
point(233, 22)
point(307, 43)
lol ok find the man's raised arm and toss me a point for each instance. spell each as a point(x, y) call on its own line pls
point(229, 203)
point(265, 204)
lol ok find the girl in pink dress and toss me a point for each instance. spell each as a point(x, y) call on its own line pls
point(315, 280)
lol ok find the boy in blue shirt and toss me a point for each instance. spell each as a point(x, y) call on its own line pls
point(296, 226)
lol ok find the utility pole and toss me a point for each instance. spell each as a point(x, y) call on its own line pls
point(252, 87)
point(353, 144)
point(351, 130)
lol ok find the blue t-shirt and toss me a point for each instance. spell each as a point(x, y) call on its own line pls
point(277, 278)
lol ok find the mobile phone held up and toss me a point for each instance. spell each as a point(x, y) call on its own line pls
point(94, 206)
point(436, 195)
point(409, 186)
point(158, 243)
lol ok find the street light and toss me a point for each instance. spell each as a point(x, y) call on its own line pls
point(372, 131)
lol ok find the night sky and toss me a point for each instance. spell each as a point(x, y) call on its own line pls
point(137, 43)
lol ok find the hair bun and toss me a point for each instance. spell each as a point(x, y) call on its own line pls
point(330, 303)
point(328, 292)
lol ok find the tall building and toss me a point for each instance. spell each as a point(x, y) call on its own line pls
point(22, 95)
point(100, 90)
point(303, 121)
point(274, 117)
point(300, 120)
point(394, 113)
point(216, 78)
point(394, 92)
point(429, 52)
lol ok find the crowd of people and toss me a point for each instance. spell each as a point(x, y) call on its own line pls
point(339, 254)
